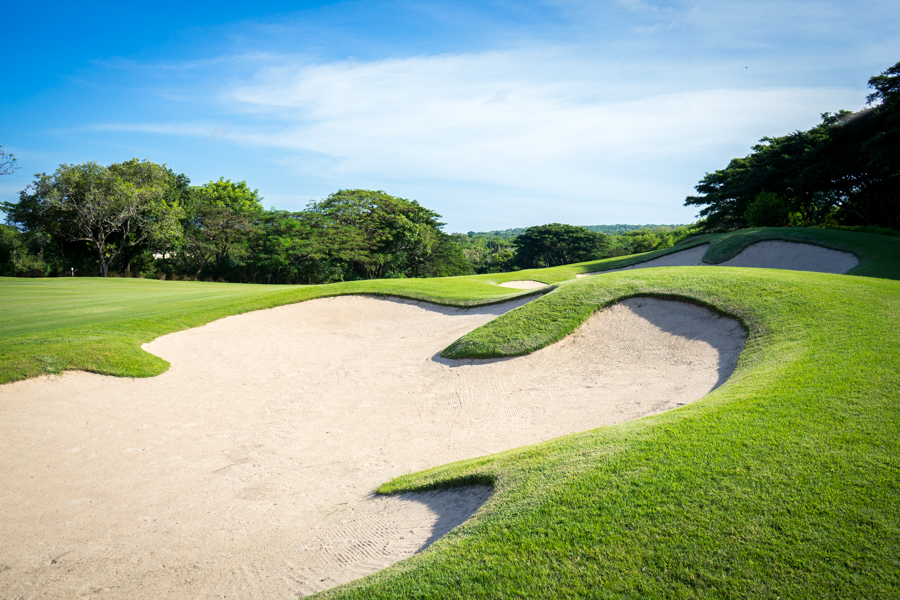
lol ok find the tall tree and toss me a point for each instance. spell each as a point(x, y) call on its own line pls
point(557, 244)
point(217, 217)
point(301, 247)
point(111, 208)
point(399, 235)
point(846, 169)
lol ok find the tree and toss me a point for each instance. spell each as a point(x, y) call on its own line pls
point(217, 218)
point(447, 259)
point(21, 254)
point(845, 170)
point(488, 253)
point(399, 235)
point(301, 247)
point(7, 162)
point(767, 210)
point(557, 244)
point(111, 208)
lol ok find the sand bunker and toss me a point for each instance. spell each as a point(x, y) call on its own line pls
point(762, 255)
point(246, 470)
point(523, 284)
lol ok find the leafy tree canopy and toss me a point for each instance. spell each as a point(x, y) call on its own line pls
point(224, 193)
point(398, 235)
point(111, 209)
point(557, 244)
point(846, 170)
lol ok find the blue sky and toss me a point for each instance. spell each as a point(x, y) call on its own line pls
point(494, 114)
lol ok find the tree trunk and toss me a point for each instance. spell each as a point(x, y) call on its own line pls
point(104, 264)
point(62, 254)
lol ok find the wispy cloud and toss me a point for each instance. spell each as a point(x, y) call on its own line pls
point(546, 122)
point(557, 107)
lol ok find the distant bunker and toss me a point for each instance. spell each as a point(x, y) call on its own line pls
point(769, 254)
point(523, 284)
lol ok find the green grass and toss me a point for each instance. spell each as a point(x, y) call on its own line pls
point(594, 266)
point(558, 314)
point(784, 482)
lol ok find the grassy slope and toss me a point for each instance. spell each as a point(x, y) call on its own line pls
point(567, 272)
point(558, 314)
point(784, 482)
point(878, 252)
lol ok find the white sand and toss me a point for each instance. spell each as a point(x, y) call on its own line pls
point(762, 255)
point(523, 284)
point(793, 256)
point(246, 470)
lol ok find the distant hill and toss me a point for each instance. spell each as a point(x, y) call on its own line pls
point(607, 229)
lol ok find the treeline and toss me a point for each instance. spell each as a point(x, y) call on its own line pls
point(617, 229)
point(843, 172)
point(548, 245)
point(139, 218)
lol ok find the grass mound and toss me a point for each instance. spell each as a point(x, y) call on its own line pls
point(876, 253)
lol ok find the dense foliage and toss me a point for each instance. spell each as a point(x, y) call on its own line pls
point(494, 252)
point(844, 171)
point(617, 229)
point(557, 244)
point(22, 255)
point(111, 214)
point(141, 218)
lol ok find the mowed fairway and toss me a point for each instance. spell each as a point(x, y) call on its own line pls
point(782, 482)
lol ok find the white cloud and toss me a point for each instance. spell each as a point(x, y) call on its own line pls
point(541, 127)
point(556, 124)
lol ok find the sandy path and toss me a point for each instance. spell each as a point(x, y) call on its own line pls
point(246, 470)
point(770, 254)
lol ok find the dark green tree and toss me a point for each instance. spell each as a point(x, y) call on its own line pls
point(301, 247)
point(218, 218)
point(399, 236)
point(23, 254)
point(767, 210)
point(844, 170)
point(447, 259)
point(557, 244)
point(110, 209)
point(486, 253)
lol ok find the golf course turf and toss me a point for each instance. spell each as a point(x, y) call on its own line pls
point(783, 482)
